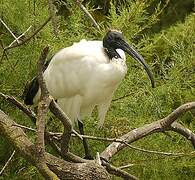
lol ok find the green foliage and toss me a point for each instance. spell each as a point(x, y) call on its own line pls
point(169, 53)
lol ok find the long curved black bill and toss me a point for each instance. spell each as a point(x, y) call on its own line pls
point(132, 52)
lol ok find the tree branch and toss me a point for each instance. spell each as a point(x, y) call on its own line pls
point(43, 107)
point(78, 2)
point(64, 170)
point(118, 172)
point(29, 38)
point(20, 105)
point(9, 31)
point(188, 134)
point(56, 110)
point(138, 133)
point(43, 104)
point(18, 38)
point(6, 164)
point(51, 9)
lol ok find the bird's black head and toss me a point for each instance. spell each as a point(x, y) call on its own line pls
point(114, 40)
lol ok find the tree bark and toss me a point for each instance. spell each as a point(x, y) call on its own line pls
point(63, 169)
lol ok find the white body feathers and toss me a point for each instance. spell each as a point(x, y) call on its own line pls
point(82, 76)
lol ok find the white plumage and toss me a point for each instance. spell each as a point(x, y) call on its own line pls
point(82, 76)
point(86, 75)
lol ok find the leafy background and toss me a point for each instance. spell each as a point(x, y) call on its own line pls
point(162, 31)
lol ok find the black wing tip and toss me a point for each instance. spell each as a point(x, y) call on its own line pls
point(30, 91)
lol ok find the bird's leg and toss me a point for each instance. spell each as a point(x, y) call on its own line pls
point(85, 144)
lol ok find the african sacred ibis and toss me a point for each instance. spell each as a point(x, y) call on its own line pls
point(86, 75)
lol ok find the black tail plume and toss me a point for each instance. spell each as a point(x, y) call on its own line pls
point(32, 87)
point(30, 91)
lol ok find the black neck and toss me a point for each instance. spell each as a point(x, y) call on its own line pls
point(112, 53)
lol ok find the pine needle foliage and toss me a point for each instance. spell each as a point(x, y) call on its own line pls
point(170, 54)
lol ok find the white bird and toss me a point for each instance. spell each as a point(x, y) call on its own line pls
point(86, 75)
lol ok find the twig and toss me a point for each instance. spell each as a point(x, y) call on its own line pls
point(78, 2)
point(118, 140)
point(6, 164)
point(6, 55)
point(4, 52)
point(25, 127)
point(133, 147)
point(77, 134)
point(98, 159)
point(20, 36)
point(122, 97)
point(118, 172)
point(156, 152)
point(10, 31)
point(29, 38)
point(126, 166)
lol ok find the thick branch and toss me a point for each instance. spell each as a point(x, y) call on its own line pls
point(69, 156)
point(64, 170)
point(167, 121)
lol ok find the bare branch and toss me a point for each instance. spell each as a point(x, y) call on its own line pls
point(6, 164)
point(188, 134)
point(20, 36)
point(52, 9)
point(69, 156)
point(138, 133)
point(167, 121)
point(56, 110)
point(133, 147)
point(43, 107)
point(10, 31)
point(122, 97)
point(78, 2)
point(118, 172)
point(25, 127)
point(21, 106)
point(29, 38)
point(43, 103)
point(176, 127)
point(65, 170)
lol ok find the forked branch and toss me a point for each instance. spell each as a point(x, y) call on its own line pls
point(164, 124)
